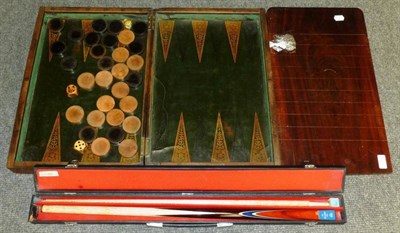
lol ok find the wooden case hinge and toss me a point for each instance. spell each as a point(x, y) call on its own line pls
point(72, 164)
point(309, 166)
point(151, 21)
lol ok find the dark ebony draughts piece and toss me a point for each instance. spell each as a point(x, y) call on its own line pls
point(87, 134)
point(75, 35)
point(105, 63)
point(115, 134)
point(55, 25)
point(139, 28)
point(97, 51)
point(99, 25)
point(58, 48)
point(110, 40)
point(134, 79)
point(69, 63)
point(115, 26)
point(92, 38)
point(136, 47)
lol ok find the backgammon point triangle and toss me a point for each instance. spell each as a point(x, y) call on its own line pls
point(53, 149)
point(181, 148)
point(166, 28)
point(220, 152)
point(233, 31)
point(85, 51)
point(258, 153)
point(199, 32)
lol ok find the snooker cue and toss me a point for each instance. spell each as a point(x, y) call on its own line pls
point(157, 212)
point(122, 211)
point(331, 202)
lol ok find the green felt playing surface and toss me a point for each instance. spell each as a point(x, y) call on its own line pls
point(200, 91)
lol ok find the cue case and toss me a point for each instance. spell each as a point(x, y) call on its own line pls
point(212, 187)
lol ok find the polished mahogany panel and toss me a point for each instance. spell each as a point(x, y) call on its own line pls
point(326, 103)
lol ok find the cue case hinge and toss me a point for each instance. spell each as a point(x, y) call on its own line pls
point(311, 224)
point(71, 223)
point(309, 194)
point(187, 194)
point(72, 164)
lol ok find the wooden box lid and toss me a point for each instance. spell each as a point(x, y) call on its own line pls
point(326, 108)
point(204, 179)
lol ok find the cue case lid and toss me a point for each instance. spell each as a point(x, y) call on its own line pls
point(197, 179)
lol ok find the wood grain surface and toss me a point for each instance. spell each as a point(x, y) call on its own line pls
point(327, 109)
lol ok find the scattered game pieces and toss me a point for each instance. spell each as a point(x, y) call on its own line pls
point(116, 26)
point(76, 35)
point(100, 146)
point(115, 134)
point(115, 117)
point(86, 81)
point(80, 146)
point(69, 63)
point(55, 24)
point(87, 134)
point(128, 104)
point(110, 40)
point(120, 71)
point(131, 124)
point(120, 54)
point(128, 148)
point(105, 63)
point(99, 25)
point(96, 118)
point(120, 90)
point(92, 38)
point(105, 103)
point(72, 91)
point(74, 114)
point(140, 28)
point(135, 62)
point(97, 51)
point(58, 48)
point(134, 79)
point(136, 47)
point(127, 23)
point(104, 79)
point(126, 36)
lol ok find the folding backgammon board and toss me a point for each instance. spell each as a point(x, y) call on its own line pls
point(207, 100)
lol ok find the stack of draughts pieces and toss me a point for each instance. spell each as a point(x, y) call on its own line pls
point(120, 76)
